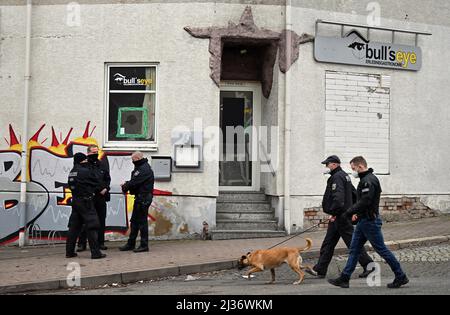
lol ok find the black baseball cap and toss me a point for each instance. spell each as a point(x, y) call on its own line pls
point(332, 159)
point(78, 158)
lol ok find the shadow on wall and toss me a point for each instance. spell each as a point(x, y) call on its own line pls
point(48, 205)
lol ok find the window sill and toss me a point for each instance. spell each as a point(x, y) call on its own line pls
point(130, 148)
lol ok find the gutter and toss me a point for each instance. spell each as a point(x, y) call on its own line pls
point(287, 122)
point(24, 173)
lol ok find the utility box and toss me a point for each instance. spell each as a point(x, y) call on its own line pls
point(162, 168)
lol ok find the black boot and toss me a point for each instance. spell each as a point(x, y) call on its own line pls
point(126, 248)
point(131, 244)
point(81, 248)
point(141, 250)
point(398, 282)
point(366, 273)
point(342, 282)
point(98, 256)
point(71, 255)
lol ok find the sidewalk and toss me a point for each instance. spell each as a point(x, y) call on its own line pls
point(45, 267)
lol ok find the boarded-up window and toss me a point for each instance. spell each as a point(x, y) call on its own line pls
point(358, 117)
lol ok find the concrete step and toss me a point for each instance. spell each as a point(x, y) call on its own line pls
point(250, 225)
point(249, 215)
point(241, 196)
point(245, 234)
point(243, 206)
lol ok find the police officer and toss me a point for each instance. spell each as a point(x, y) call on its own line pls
point(102, 196)
point(141, 186)
point(82, 183)
point(366, 211)
point(337, 199)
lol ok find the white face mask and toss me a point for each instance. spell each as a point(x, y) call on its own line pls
point(355, 174)
point(326, 171)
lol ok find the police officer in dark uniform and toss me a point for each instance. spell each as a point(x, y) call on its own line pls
point(102, 196)
point(337, 199)
point(366, 212)
point(83, 183)
point(141, 186)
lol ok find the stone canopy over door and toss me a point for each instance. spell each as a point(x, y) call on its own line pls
point(245, 52)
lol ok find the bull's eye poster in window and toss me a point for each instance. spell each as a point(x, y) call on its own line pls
point(131, 105)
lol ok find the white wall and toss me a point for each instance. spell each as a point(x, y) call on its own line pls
point(358, 118)
point(68, 71)
point(420, 115)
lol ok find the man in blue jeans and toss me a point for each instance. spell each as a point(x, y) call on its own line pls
point(366, 210)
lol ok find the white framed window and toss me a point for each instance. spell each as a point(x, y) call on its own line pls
point(131, 106)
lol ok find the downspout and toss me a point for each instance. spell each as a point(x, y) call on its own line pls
point(287, 121)
point(23, 176)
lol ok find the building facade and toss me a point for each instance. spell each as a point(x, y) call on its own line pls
point(296, 81)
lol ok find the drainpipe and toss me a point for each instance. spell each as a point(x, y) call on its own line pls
point(23, 177)
point(287, 121)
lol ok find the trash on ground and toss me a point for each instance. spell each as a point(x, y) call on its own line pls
point(190, 278)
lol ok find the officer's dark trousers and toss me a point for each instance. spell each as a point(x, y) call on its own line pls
point(139, 221)
point(100, 207)
point(83, 213)
point(342, 227)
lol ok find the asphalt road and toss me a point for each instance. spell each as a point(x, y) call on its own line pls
point(427, 268)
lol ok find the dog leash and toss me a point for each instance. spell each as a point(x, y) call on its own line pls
point(300, 233)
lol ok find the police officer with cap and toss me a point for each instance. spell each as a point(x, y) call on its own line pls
point(141, 186)
point(338, 198)
point(83, 183)
point(102, 195)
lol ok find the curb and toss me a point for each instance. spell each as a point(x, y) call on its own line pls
point(153, 274)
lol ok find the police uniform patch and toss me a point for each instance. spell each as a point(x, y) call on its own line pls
point(334, 186)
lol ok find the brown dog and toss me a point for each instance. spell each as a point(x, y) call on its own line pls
point(261, 260)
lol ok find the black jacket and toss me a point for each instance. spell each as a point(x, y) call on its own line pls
point(338, 196)
point(368, 195)
point(142, 179)
point(82, 181)
point(101, 170)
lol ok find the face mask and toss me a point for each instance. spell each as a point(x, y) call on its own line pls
point(93, 157)
point(84, 163)
point(326, 171)
point(355, 174)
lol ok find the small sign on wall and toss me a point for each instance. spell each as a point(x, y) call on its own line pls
point(187, 152)
point(187, 156)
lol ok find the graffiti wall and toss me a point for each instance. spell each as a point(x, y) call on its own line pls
point(48, 205)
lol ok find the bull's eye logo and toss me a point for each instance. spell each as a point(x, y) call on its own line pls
point(118, 78)
point(357, 44)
